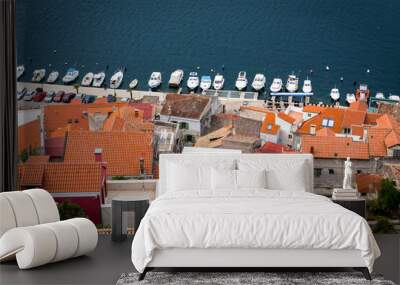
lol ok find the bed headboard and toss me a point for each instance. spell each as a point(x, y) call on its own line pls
point(202, 159)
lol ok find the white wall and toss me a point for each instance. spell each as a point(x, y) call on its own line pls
point(284, 131)
point(193, 125)
point(269, 138)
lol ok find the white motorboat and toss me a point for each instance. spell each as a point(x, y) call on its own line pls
point(155, 80)
point(205, 82)
point(241, 81)
point(20, 71)
point(219, 81)
point(379, 95)
point(38, 75)
point(307, 87)
point(176, 78)
point(87, 79)
point(350, 98)
point(133, 83)
point(259, 82)
point(116, 79)
point(71, 75)
point(193, 80)
point(394, 97)
point(276, 85)
point(292, 83)
point(335, 95)
point(53, 76)
point(98, 79)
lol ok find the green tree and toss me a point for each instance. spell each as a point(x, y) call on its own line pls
point(69, 210)
point(76, 87)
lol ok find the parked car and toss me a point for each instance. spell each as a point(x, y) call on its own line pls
point(88, 99)
point(28, 96)
point(68, 97)
point(58, 97)
point(39, 96)
point(111, 98)
point(49, 97)
point(21, 94)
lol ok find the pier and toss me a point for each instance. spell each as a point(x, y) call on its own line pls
point(232, 94)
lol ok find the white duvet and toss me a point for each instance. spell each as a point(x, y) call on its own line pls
point(250, 219)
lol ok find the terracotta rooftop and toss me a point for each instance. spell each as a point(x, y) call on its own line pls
point(29, 136)
point(60, 177)
point(368, 182)
point(268, 125)
point(270, 147)
point(392, 139)
point(148, 110)
point(359, 106)
point(334, 147)
point(121, 150)
point(313, 108)
point(185, 106)
point(127, 118)
point(38, 159)
point(286, 117)
point(325, 132)
point(58, 116)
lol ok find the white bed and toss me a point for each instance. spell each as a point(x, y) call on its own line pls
point(228, 226)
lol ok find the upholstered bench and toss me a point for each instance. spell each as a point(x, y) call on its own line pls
point(31, 230)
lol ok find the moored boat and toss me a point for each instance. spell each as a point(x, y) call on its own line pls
point(335, 95)
point(205, 82)
point(176, 78)
point(20, 71)
point(193, 81)
point(350, 98)
point(307, 87)
point(218, 83)
point(38, 75)
point(292, 83)
point(133, 83)
point(241, 81)
point(155, 80)
point(71, 75)
point(87, 79)
point(53, 76)
point(394, 97)
point(98, 79)
point(258, 82)
point(379, 95)
point(116, 79)
point(276, 85)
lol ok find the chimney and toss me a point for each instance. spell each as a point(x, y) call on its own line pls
point(98, 155)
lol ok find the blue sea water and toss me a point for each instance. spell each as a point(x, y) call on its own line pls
point(275, 37)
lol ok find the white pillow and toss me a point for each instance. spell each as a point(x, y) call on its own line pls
point(223, 179)
point(282, 174)
point(185, 178)
point(251, 178)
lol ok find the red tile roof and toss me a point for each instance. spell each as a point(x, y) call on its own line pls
point(57, 117)
point(121, 150)
point(38, 159)
point(334, 147)
point(268, 126)
point(286, 118)
point(325, 132)
point(313, 108)
point(270, 147)
point(368, 182)
point(60, 177)
point(29, 136)
point(392, 139)
point(359, 106)
point(185, 106)
point(147, 108)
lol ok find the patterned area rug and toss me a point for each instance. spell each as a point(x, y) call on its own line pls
point(243, 278)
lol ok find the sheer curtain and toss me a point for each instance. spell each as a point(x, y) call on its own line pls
point(8, 102)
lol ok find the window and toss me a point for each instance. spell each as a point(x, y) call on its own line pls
point(141, 163)
point(327, 122)
point(396, 153)
point(331, 171)
point(359, 171)
point(184, 125)
point(290, 136)
point(347, 131)
point(317, 172)
point(309, 115)
point(269, 126)
point(313, 129)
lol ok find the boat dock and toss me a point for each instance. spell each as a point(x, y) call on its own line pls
point(232, 94)
point(305, 97)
